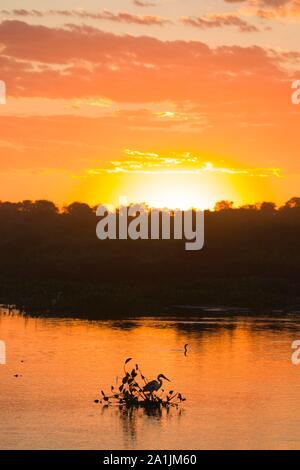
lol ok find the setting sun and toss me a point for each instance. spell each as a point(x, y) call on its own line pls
point(176, 191)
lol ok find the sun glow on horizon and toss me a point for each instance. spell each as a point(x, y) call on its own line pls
point(177, 196)
point(199, 188)
point(172, 191)
point(173, 180)
point(173, 105)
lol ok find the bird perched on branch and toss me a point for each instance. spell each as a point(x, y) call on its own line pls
point(155, 385)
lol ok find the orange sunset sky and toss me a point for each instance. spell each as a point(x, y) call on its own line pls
point(170, 102)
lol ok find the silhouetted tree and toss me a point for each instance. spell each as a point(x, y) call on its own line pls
point(250, 207)
point(78, 210)
point(246, 249)
point(293, 203)
point(268, 207)
point(26, 205)
point(223, 206)
point(44, 207)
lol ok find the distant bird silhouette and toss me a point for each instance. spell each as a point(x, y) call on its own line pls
point(155, 385)
point(184, 350)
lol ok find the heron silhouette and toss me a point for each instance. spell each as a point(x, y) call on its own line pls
point(155, 385)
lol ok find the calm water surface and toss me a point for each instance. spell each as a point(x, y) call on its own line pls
point(242, 390)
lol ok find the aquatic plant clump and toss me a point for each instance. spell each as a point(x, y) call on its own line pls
point(133, 390)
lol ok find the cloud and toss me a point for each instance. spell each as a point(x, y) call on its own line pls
point(81, 61)
point(271, 9)
point(120, 17)
point(269, 3)
point(219, 21)
point(144, 3)
point(229, 103)
point(141, 162)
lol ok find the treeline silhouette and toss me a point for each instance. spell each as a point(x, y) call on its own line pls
point(52, 261)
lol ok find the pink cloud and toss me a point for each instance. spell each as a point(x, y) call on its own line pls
point(80, 61)
point(144, 3)
point(271, 9)
point(219, 21)
point(120, 17)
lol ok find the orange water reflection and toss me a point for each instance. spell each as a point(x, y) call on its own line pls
point(242, 390)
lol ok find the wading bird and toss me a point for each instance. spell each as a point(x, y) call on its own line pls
point(155, 385)
point(185, 350)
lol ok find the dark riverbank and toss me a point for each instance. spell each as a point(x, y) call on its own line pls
point(242, 296)
point(52, 263)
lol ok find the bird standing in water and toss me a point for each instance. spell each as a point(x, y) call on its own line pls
point(155, 385)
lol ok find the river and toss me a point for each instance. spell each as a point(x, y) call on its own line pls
point(241, 387)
